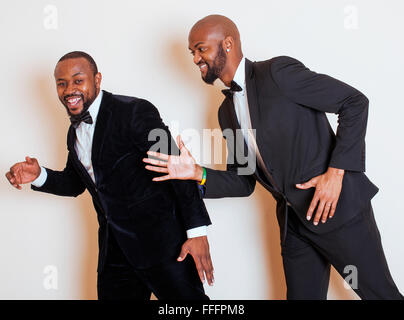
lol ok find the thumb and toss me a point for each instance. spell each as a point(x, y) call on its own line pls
point(179, 141)
point(181, 145)
point(29, 160)
point(183, 254)
point(307, 185)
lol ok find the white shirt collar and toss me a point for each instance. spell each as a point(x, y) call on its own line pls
point(239, 76)
point(95, 107)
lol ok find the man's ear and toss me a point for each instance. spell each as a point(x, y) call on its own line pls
point(228, 43)
point(98, 78)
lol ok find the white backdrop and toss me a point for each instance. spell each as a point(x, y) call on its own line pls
point(141, 50)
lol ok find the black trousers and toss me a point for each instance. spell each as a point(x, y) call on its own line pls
point(355, 250)
point(171, 280)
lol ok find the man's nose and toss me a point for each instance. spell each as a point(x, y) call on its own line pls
point(197, 58)
point(69, 89)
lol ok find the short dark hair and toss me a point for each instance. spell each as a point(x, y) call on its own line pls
point(81, 54)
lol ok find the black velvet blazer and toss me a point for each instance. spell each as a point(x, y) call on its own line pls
point(149, 219)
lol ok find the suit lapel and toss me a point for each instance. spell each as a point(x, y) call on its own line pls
point(255, 117)
point(71, 140)
point(101, 129)
point(231, 113)
point(252, 100)
point(234, 124)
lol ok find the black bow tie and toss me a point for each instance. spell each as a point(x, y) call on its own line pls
point(76, 120)
point(234, 87)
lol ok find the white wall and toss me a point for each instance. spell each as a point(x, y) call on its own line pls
point(141, 50)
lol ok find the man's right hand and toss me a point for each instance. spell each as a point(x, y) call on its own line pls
point(23, 172)
point(182, 167)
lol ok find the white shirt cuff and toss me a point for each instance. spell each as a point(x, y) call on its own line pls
point(39, 182)
point(197, 232)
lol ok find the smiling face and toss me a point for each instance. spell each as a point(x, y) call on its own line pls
point(77, 85)
point(214, 41)
point(209, 54)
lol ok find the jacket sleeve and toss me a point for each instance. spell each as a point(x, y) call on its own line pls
point(326, 94)
point(62, 183)
point(228, 183)
point(146, 125)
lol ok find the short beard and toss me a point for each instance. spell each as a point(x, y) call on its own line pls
point(86, 105)
point(218, 65)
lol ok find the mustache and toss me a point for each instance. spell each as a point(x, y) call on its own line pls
point(79, 95)
point(202, 62)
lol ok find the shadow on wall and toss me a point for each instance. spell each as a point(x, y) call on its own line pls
point(89, 248)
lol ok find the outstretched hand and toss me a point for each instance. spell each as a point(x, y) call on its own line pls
point(328, 188)
point(182, 167)
point(23, 172)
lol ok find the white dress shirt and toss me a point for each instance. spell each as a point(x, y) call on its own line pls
point(242, 110)
point(83, 147)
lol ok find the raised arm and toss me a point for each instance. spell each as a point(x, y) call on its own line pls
point(62, 183)
point(146, 123)
point(219, 183)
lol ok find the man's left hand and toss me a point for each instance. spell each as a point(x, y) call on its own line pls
point(198, 248)
point(328, 188)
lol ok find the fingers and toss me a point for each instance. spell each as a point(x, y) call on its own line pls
point(161, 169)
point(313, 206)
point(198, 264)
point(181, 146)
point(157, 169)
point(328, 189)
point(307, 185)
point(199, 268)
point(155, 162)
point(30, 160)
point(198, 248)
point(162, 178)
point(183, 253)
point(11, 178)
point(208, 268)
point(180, 143)
point(333, 208)
point(327, 209)
point(319, 212)
point(15, 171)
point(204, 267)
point(158, 155)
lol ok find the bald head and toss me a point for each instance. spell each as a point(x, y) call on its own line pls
point(219, 25)
point(215, 43)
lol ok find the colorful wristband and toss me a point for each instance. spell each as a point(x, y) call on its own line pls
point(203, 177)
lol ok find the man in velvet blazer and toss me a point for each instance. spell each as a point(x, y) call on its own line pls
point(142, 225)
point(313, 174)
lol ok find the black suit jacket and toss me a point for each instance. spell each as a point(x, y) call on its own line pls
point(288, 105)
point(147, 218)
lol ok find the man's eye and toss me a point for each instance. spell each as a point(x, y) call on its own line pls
point(78, 81)
point(202, 49)
point(60, 84)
